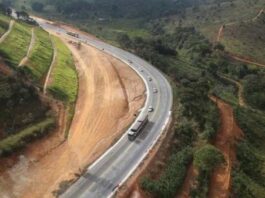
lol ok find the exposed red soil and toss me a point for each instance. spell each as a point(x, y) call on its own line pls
point(189, 182)
point(225, 141)
point(110, 93)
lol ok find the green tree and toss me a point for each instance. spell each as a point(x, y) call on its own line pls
point(207, 158)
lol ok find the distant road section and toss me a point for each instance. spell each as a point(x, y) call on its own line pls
point(103, 178)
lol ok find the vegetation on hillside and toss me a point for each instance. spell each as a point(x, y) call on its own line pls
point(246, 38)
point(175, 37)
point(23, 137)
point(25, 114)
point(40, 58)
point(249, 174)
point(4, 24)
point(17, 41)
point(64, 80)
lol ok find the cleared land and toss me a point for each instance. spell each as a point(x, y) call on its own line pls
point(110, 94)
point(17, 41)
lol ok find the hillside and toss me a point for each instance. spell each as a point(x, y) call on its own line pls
point(246, 39)
point(26, 113)
point(215, 144)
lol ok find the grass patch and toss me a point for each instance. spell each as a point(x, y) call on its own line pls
point(246, 39)
point(41, 56)
point(20, 139)
point(14, 48)
point(64, 85)
point(4, 24)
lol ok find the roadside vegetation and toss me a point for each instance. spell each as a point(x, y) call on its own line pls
point(179, 38)
point(198, 68)
point(64, 80)
point(4, 24)
point(40, 58)
point(21, 108)
point(14, 48)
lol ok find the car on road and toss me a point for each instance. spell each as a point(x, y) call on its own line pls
point(155, 90)
point(150, 79)
point(150, 109)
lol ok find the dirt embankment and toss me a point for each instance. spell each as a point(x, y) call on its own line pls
point(226, 139)
point(110, 93)
point(228, 134)
point(189, 182)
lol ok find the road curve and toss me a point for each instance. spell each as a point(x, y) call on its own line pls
point(103, 178)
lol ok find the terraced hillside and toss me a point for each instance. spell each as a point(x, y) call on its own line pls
point(62, 73)
point(26, 114)
point(15, 47)
point(4, 24)
point(40, 59)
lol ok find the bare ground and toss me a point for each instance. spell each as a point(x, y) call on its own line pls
point(188, 182)
point(226, 139)
point(110, 93)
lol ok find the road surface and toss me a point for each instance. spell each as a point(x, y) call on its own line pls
point(112, 169)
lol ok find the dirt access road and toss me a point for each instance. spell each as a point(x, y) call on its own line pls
point(226, 139)
point(227, 136)
point(110, 93)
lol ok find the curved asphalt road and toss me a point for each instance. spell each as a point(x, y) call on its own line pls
point(103, 177)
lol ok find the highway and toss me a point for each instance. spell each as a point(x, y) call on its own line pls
point(103, 178)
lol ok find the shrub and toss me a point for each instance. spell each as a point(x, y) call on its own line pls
point(173, 176)
point(207, 158)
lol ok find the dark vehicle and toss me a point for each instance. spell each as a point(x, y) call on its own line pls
point(73, 34)
point(138, 127)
